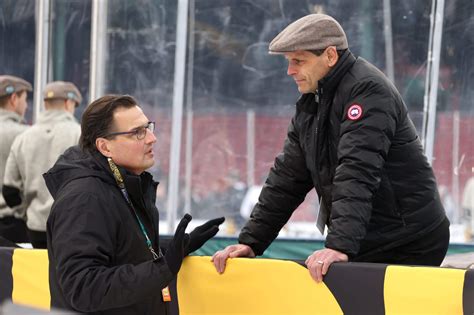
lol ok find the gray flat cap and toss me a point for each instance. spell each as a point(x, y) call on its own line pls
point(311, 32)
point(10, 84)
point(63, 90)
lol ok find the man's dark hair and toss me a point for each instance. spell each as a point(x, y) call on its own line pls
point(319, 52)
point(4, 99)
point(97, 119)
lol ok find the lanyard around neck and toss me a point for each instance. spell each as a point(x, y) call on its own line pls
point(121, 185)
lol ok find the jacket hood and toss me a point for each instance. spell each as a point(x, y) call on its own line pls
point(73, 164)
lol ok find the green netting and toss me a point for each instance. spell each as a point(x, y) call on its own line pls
point(297, 249)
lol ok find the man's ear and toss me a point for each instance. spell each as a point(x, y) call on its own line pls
point(13, 101)
point(70, 106)
point(332, 56)
point(103, 145)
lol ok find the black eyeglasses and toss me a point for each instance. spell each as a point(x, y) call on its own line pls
point(139, 132)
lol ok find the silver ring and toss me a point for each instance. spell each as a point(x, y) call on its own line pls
point(320, 262)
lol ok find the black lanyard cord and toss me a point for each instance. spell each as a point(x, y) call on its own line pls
point(123, 190)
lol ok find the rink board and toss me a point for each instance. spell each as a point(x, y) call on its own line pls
point(271, 286)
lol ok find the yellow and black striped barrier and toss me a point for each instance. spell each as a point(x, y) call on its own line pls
point(268, 286)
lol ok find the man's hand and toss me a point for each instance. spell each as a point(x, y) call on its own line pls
point(176, 247)
point(318, 262)
point(238, 250)
point(202, 234)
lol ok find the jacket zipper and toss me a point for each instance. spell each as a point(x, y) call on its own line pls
point(318, 98)
point(403, 219)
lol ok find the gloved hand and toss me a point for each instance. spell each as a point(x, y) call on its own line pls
point(177, 246)
point(202, 234)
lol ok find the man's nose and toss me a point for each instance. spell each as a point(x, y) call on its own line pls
point(150, 136)
point(291, 70)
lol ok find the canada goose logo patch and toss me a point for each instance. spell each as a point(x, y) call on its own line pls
point(354, 112)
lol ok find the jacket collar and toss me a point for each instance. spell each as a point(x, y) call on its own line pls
point(51, 115)
point(137, 186)
point(7, 115)
point(332, 79)
point(329, 83)
point(307, 104)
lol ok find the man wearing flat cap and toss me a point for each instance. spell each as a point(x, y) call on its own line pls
point(352, 140)
point(13, 104)
point(35, 151)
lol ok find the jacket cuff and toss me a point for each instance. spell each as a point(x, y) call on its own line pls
point(11, 195)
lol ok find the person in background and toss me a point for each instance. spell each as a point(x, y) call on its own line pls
point(351, 138)
point(35, 151)
point(13, 105)
point(468, 210)
point(103, 238)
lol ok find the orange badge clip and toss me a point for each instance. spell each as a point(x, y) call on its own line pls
point(166, 294)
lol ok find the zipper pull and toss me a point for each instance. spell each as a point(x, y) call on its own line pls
point(316, 97)
point(153, 253)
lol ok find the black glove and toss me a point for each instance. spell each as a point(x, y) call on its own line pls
point(176, 247)
point(202, 234)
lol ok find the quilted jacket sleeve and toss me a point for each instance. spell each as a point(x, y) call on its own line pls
point(362, 151)
point(285, 188)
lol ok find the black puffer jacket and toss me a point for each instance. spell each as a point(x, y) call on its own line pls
point(370, 173)
point(99, 262)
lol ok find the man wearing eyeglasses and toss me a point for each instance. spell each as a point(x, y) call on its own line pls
point(35, 151)
point(103, 244)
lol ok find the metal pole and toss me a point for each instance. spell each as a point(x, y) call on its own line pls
point(189, 115)
point(41, 54)
point(57, 59)
point(177, 119)
point(387, 18)
point(98, 49)
point(250, 148)
point(432, 77)
point(456, 164)
point(427, 78)
point(367, 49)
point(189, 162)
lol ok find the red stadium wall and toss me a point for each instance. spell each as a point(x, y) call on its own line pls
point(219, 151)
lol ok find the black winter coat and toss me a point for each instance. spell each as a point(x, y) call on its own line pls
point(355, 143)
point(99, 262)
